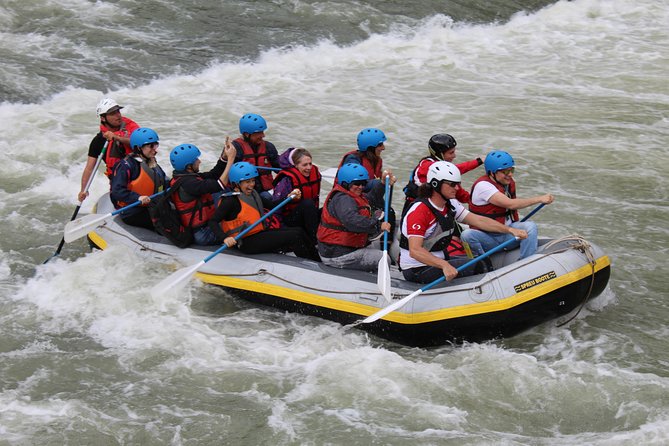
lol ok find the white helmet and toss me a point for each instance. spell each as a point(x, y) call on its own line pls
point(442, 171)
point(107, 105)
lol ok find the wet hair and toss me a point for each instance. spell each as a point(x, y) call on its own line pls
point(425, 190)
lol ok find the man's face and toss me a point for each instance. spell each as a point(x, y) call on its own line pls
point(113, 119)
point(256, 138)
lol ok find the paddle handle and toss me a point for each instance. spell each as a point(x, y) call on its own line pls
point(137, 203)
point(386, 207)
point(245, 231)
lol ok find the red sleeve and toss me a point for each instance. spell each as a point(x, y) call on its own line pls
point(462, 195)
point(418, 220)
point(468, 165)
point(421, 170)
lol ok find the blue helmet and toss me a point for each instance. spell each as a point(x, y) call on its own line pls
point(497, 160)
point(370, 137)
point(184, 155)
point(351, 172)
point(252, 123)
point(141, 136)
point(242, 171)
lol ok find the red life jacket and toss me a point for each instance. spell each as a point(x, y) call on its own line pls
point(310, 187)
point(117, 151)
point(250, 213)
point(374, 171)
point(259, 159)
point(333, 232)
point(490, 210)
point(148, 182)
point(195, 212)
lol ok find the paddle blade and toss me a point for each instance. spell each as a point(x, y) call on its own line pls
point(76, 229)
point(175, 281)
point(390, 308)
point(383, 279)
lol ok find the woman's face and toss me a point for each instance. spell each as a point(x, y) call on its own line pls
point(448, 155)
point(378, 149)
point(304, 166)
point(150, 150)
point(246, 186)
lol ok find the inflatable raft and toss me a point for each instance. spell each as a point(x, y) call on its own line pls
point(515, 296)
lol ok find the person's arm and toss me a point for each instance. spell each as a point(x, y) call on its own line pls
point(119, 184)
point(346, 211)
point(281, 190)
point(229, 152)
point(490, 225)
point(501, 200)
point(272, 154)
point(469, 165)
point(422, 255)
point(228, 209)
point(85, 176)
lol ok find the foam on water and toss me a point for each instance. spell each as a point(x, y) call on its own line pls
point(569, 90)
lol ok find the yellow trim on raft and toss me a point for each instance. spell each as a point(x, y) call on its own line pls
point(408, 318)
point(97, 240)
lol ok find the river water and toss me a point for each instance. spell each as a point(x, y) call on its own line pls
point(576, 91)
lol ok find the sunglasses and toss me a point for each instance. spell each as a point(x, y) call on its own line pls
point(362, 183)
point(453, 184)
point(508, 171)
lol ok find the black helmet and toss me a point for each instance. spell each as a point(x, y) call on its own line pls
point(439, 143)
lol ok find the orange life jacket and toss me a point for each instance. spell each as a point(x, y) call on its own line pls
point(490, 210)
point(195, 212)
point(333, 232)
point(257, 158)
point(148, 182)
point(115, 150)
point(251, 212)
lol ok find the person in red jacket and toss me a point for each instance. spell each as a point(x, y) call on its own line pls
point(114, 129)
point(298, 172)
point(442, 147)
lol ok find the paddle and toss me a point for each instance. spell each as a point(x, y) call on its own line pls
point(402, 302)
point(275, 169)
point(383, 278)
point(178, 279)
point(82, 226)
point(88, 185)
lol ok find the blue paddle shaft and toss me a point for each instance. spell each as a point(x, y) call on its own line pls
point(137, 203)
point(385, 213)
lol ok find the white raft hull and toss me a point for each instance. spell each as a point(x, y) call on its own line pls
point(516, 296)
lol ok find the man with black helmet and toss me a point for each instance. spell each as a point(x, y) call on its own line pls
point(442, 148)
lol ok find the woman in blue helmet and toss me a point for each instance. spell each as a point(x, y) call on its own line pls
point(493, 195)
point(138, 176)
point(371, 144)
point(194, 199)
point(237, 212)
point(348, 221)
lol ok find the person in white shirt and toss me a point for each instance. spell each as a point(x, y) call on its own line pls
point(494, 195)
point(428, 227)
